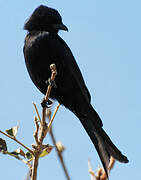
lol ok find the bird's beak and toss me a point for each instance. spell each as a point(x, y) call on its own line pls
point(60, 26)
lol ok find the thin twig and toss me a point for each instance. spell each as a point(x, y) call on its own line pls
point(59, 155)
point(37, 112)
point(17, 157)
point(36, 131)
point(100, 175)
point(53, 75)
point(43, 125)
point(17, 141)
point(112, 163)
point(50, 122)
point(90, 170)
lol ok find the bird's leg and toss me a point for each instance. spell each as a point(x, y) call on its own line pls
point(51, 83)
point(47, 103)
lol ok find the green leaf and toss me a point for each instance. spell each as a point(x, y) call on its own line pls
point(10, 132)
point(36, 119)
point(13, 131)
point(46, 151)
point(29, 156)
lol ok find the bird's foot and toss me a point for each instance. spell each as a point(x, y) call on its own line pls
point(46, 104)
point(51, 83)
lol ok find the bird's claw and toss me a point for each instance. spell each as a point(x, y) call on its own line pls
point(51, 83)
point(46, 104)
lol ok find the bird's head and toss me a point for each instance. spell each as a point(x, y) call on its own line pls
point(45, 19)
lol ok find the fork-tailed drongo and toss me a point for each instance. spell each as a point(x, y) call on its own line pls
point(43, 47)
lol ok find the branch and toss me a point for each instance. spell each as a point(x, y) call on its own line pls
point(17, 157)
point(50, 122)
point(53, 75)
point(43, 125)
point(34, 167)
point(43, 128)
point(60, 156)
point(36, 130)
point(17, 142)
point(39, 149)
point(90, 170)
point(59, 151)
point(37, 112)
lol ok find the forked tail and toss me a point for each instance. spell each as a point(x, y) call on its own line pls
point(101, 140)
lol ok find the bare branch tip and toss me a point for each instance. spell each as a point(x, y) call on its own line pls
point(53, 67)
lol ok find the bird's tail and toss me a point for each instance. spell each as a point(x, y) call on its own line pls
point(101, 140)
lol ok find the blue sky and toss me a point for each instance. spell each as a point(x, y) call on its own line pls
point(105, 38)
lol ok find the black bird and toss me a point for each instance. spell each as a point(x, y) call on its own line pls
point(43, 47)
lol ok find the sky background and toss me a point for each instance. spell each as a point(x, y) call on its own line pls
point(105, 38)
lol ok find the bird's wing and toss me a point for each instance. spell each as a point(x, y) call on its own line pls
point(58, 50)
point(65, 54)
